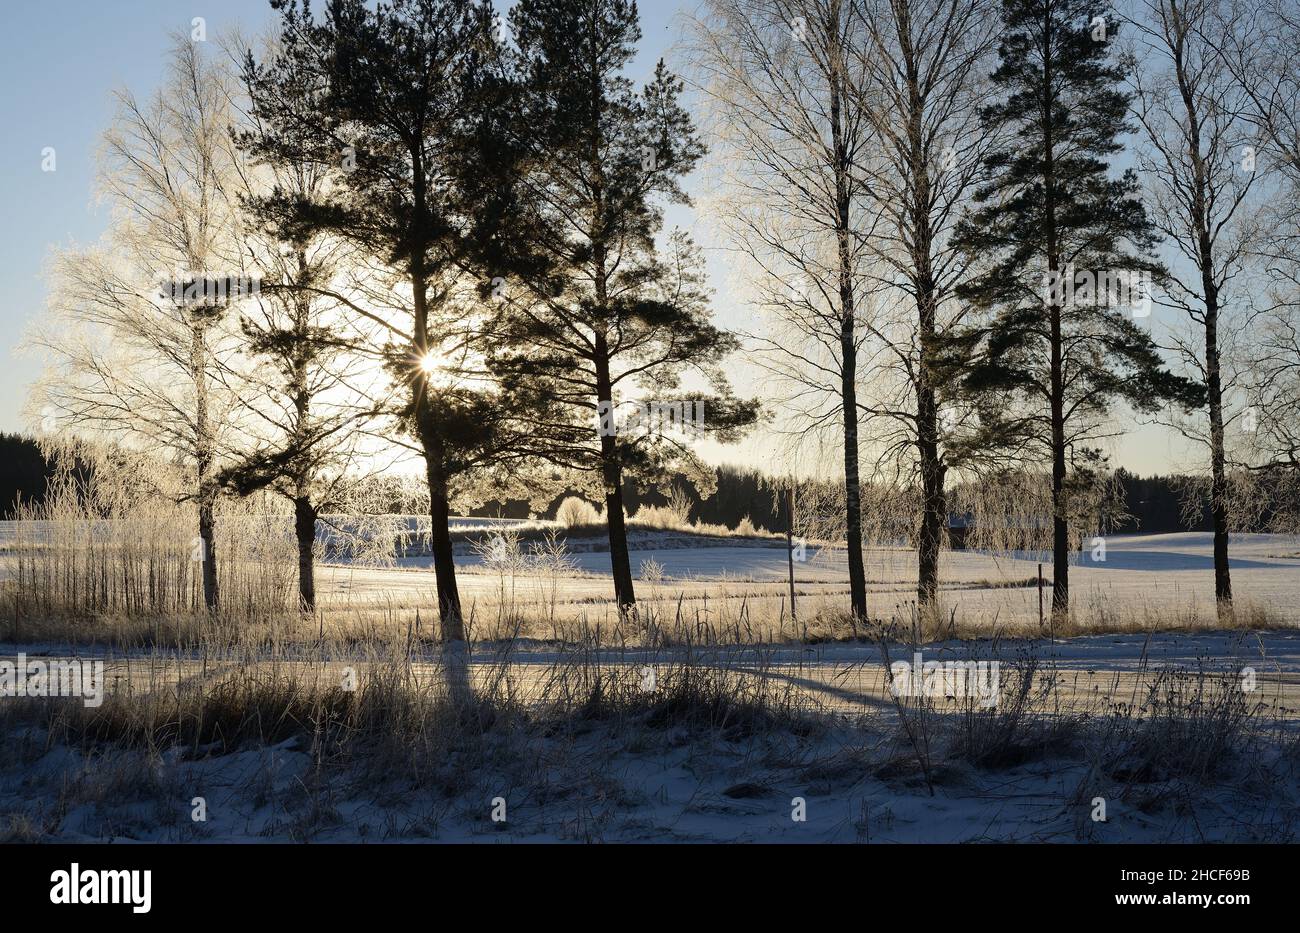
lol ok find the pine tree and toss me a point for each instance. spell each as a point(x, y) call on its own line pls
point(408, 113)
point(616, 319)
point(1061, 242)
point(303, 403)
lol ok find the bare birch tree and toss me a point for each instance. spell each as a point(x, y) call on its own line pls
point(134, 351)
point(1257, 45)
point(782, 77)
point(1199, 171)
point(923, 71)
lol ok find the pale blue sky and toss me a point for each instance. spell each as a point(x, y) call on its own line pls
point(60, 60)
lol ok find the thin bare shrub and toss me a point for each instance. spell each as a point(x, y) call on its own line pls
point(746, 528)
point(679, 503)
point(502, 555)
point(659, 518)
point(1012, 511)
point(574, 511)
point(1190, 725)
point(551, 562)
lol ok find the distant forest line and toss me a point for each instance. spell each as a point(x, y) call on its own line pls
point(1154, 503)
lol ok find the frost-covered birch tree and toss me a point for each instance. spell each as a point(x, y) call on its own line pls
point(138, 346)
point(923, 79)
point(782, 81)
point(1199, 165)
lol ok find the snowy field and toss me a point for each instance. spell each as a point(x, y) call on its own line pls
point(1165, 576)
point(1188, 735)
point(1170, 573)
point(605, 786)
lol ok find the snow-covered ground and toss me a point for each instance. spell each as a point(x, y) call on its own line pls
point(842, 770)
point(842, 785)
point(843, 764)
point(1161, 573)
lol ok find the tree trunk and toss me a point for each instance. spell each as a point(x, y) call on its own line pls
point(435, 464)
point(1060, 505)
point(848, 344)
point(934, 507)
point(203, 467)
point(612, 476)
point(1060, 509)
point(1060, 524)
point(303, 511)
point(304, 526)
point(455, 656)
point(611, 467)
point(934, 504)
point(852, 487)
point(208, 537)
point(1219, 480)
point(444, 561)
point(1213, 362)
point(619, 557)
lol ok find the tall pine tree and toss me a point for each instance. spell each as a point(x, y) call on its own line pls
point(1062, 245)
point(617, 318)
point(406, 110)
